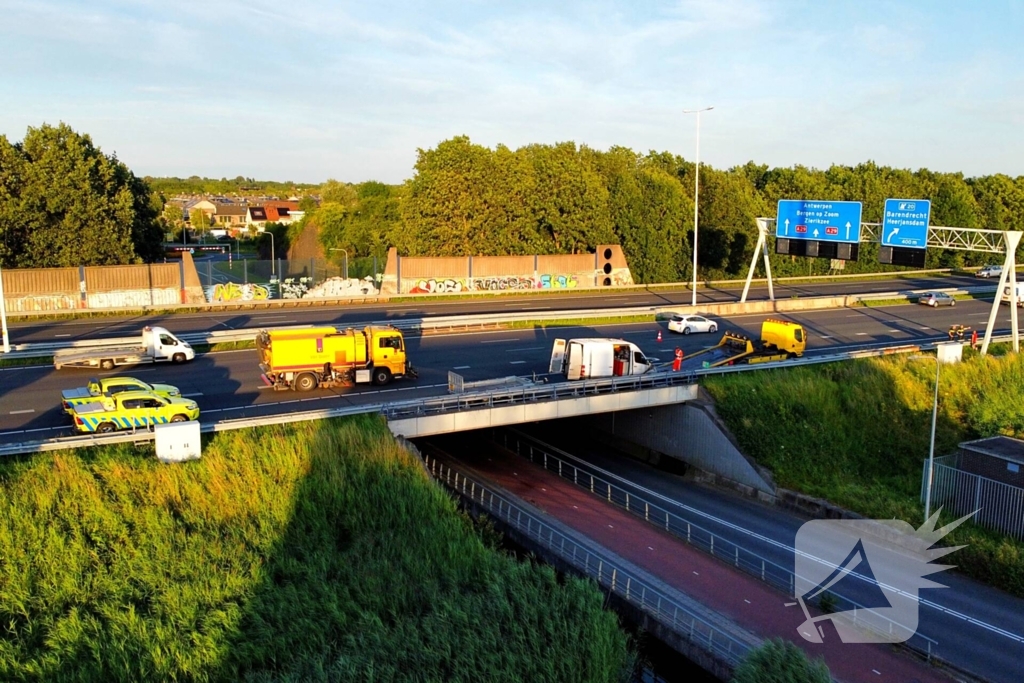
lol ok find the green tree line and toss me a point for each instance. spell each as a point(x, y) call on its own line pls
point(468, 199)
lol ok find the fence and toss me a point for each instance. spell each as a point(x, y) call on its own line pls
point(245, 279)
point(682, 620)
point(696, 535)
point(999, 506)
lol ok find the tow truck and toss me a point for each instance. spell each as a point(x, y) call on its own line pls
point(780, 339)
point(155, 345)
point(131, 409)
point(110, 386)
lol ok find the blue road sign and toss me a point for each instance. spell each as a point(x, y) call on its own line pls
point(905, 223)
point(803, 219)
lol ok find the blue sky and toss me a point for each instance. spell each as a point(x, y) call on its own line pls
point(306, 90)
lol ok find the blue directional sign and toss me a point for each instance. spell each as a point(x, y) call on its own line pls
point(905, 223)
point(803, 219)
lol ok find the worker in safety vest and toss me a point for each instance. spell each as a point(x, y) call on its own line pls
point(677, 362)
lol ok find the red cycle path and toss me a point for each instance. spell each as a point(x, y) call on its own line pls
point(744, 599)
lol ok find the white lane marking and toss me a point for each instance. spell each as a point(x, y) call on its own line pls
point(62, 335)
point(782, 546)
point(194, 393)
point(862, 334)
point(524, 348)
point(461, 367)
point(22, 412)
point(824, 336)
point(516, 362)
point(893, 331)
point(43, 429)
point(267, 320)
point(498, 341)
point(925, 327)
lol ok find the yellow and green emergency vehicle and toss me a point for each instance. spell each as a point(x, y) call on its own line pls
point(303, 359)
point(131, 410)
point(111, 386)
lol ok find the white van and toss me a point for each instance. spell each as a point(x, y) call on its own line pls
point(1020, 293)
point(590, 358)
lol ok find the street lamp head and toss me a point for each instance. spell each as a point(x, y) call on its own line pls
point(697, 111)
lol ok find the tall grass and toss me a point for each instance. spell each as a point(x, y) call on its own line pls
point(857, 434)
point(309, 552)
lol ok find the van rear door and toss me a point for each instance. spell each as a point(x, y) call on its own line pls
point(557, 356)
point(575, 370)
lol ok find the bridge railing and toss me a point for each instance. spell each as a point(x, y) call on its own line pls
point(681, 619)
point(695, 534)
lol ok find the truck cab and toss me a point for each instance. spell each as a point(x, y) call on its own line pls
point(161, 345)
point(387, 353)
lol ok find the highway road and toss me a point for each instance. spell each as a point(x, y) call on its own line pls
point(980, 644)
point(227, 385)
point(30, 330)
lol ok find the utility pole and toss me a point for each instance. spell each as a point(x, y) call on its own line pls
point(696, 198)
point(3, 316)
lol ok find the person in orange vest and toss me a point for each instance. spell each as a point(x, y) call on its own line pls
point(974, 338)
point(677, 363)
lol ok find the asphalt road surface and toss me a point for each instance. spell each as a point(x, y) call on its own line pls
point(29, 330)
point(227, 385)
point(972, 623)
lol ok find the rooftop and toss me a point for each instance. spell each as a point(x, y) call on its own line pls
point(1003, 447)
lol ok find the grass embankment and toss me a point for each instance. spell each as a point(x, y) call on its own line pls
point(857, 433)
point(308, 552)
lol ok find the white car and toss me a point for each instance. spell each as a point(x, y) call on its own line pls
point(990, 271)
point(685, 324)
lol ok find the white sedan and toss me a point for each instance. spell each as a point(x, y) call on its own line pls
point(685, 324)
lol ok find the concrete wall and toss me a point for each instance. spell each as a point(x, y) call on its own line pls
point(99, 287)
point(606, 267)
point(689, 432)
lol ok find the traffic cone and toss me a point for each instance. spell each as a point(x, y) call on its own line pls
point(659, 336)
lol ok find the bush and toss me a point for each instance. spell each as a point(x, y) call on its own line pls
point(780, 661)
point(310, 552)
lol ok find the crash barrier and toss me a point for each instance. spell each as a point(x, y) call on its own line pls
point(695, 534)
point(685, 621)
point(995, 504)
point(487, 321)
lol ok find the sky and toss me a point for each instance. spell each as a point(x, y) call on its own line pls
point(306, 90)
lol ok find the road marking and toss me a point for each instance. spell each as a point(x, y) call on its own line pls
point(877, 671)
point(516, 362)
point(746, 601)
point(194, 393)
point(43, 429)
point(696, 574)
point(524, 348)
point(893, 331)
point(824, 336)
point(62, 335)
point(22, 412)
point(461, 367)
point(862, 334)
point(925, 327)
point(266, 320)
point(498, 341)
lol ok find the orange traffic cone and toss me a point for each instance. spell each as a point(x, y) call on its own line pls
point(659, 335)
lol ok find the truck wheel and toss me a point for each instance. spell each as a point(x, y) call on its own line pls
point(179, 418)
point(381, 376)
point(178, 358)
point(107, 364)
point(105, 427)
point(305, 382)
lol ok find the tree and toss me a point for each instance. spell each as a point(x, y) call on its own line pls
point(780, 661)
point(65, 203)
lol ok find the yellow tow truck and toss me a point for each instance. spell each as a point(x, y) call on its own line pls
point(780, 339)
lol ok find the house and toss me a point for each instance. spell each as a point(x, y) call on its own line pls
point(204, 205)
point(282, 212)
point(231, 215)
point(256, 216)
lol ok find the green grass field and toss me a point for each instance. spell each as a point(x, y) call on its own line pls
point(857, 434)
point(310, 552)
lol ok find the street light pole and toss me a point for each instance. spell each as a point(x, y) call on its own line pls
point(931, 447)
point(3, 316)
point(696, 197)
point(345, 270)
point(272, 261)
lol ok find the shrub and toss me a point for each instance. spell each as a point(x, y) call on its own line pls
point(780, 661)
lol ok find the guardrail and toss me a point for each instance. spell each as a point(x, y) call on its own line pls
point(696, 535)
point(681, 620)
point(474, 400)
point(486, 321)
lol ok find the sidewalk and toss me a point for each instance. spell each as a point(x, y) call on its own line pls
point(750, 603)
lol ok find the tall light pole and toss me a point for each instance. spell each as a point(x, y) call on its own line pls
point(272, 271)
point(346, 261)
point(931, 448)
point(3, 316)
point(696, 196)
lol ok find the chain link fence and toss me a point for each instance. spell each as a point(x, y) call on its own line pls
point(247, 279)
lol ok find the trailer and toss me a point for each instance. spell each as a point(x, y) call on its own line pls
point(156, 345)
point(591, 358)
point(328, 357)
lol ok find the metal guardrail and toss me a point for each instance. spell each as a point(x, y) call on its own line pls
point(995, 504)
point(682, 620)
point(694, 534)
point(474, 400)
point(443, 323)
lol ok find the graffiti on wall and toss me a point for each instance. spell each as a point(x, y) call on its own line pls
point(433, 286)
point(232, 291)
point(503, 283)
point(295, 288)
point(557, 282)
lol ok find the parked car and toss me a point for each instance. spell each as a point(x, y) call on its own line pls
point(685, 324)
point(936, 299)
point(990, 271)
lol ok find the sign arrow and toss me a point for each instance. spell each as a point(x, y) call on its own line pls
point(847, 231)
point(815, 232)
point(892, 234)
point(787, 227)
